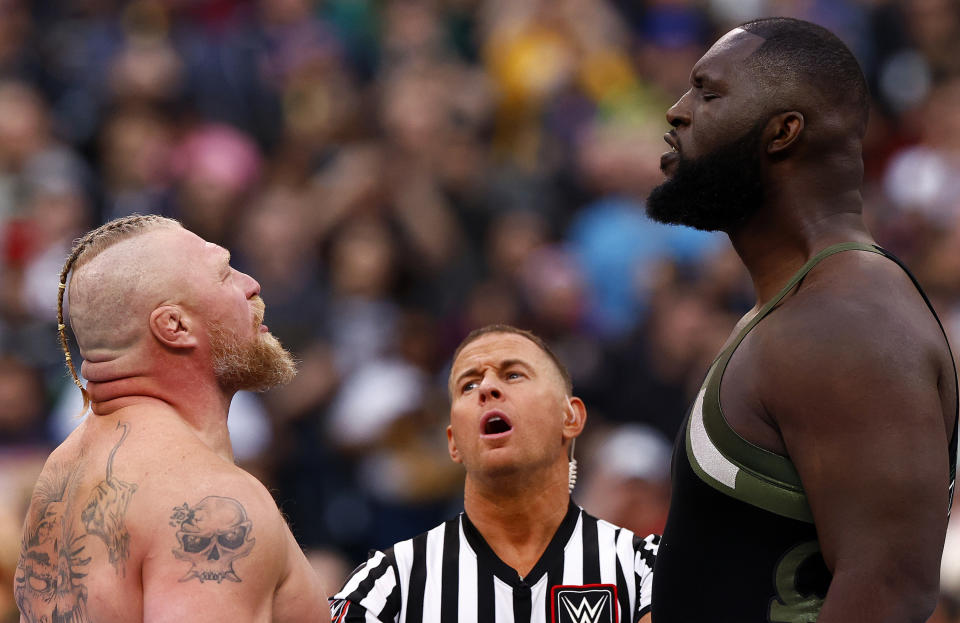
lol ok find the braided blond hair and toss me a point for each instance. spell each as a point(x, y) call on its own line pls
point(85, 249)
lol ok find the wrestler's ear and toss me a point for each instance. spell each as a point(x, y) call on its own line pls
point(173, 327)
point(782, 132)
point(452, 446)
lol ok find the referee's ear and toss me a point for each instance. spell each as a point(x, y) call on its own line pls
point(452, 446)
point(574, 418)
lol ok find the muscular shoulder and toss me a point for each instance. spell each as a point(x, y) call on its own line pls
point(856, 331)
point(199, 523)
point(853, 307)
point(212, 534)
point(197, 514)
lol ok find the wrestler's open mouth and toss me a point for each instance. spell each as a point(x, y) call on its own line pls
point(496, 423)
point(671, 140)
point(670, 159)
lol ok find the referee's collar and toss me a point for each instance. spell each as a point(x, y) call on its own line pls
point(551, 555)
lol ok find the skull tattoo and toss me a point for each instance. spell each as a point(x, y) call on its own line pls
point(212, 535)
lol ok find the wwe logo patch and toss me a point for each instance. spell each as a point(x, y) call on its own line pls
point(592, 603)
point(338, 610)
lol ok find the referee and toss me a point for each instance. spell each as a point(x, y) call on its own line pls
point(522, 550)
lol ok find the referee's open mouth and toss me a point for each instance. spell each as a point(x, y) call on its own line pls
point(495, 424)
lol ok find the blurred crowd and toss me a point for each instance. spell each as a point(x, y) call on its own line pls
point(396, 173)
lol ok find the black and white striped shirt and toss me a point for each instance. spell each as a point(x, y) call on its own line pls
point(591, 572)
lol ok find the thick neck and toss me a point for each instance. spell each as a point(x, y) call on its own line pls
point(790, 229)
point(519, 513)
point(175, 381)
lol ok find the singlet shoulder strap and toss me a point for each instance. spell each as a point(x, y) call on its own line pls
point(798, 277)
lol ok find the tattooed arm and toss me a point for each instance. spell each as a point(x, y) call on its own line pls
point(224, 548)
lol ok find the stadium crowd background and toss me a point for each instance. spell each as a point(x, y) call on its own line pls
point(398, 172)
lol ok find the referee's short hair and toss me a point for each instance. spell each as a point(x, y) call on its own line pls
point(505, 328)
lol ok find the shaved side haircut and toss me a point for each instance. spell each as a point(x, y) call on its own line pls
point(87, 248)
point(810, 56)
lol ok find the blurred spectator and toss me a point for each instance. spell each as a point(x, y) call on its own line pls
point(24, 404)
point(275, 240)
point(17, 57)
point(620, 249)
point(146, 68)
point(934, 28)
point(23, 450)
point(619, 162)
point(26, 137)
point(56, 210)
point(673, 33)
point(552, 287)
point(362, 265)
point(925, 177)
point(628, 478)
point(655, 371)
point(45, 190)
point(215, 166)
point(244, 71)
point(135, 146)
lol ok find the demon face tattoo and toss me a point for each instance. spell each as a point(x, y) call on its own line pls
point(49, 582)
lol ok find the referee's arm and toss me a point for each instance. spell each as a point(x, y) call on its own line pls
point(645, 555)
point(371, 594)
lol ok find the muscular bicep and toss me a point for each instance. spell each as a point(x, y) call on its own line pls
point(216, 551)
point(860, 415)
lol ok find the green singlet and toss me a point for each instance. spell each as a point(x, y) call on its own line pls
point(740, 545)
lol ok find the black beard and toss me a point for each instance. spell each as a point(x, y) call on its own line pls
point(719, 191)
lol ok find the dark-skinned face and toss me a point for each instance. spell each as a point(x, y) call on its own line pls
point(715, 175)
point(718, 191)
